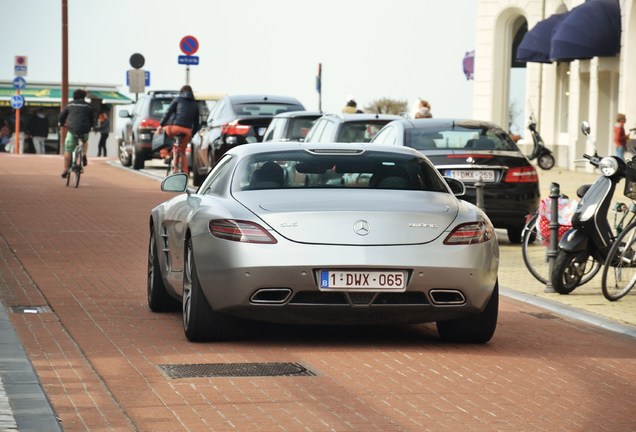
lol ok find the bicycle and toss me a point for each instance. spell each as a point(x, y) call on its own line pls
point(534, 246)
point(176, 160)
point(619, 271)
point(76, 168)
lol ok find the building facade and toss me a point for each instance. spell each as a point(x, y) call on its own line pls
point(575, 65)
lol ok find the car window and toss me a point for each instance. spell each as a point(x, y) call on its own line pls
point(274, 130)
point(299, 127)
point(316, 130)
point(264, 109)
point(298, 169)
point(459, 138)
point(158, 107)
point(217, 180)
point(327, 133)
point(362, 131)
point(386, 136)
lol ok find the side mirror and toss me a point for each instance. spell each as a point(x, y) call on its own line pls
point(457, 186)
point(175, 183)
point(585, 127)
point(124, 114)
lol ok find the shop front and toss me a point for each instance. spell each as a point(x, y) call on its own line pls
point(46, 99)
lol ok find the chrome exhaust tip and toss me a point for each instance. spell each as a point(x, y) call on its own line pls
point(447, 297)
point(271, 295)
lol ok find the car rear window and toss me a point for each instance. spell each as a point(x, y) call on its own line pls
point(264, 109)
point(459, 138)
point(158, 107)
point(360, 131)
point(301, 169)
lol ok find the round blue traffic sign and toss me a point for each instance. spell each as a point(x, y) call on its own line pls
point(19, 83)
point(17, 101)
point(189, 45)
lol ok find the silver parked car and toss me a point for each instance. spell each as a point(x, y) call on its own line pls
point(301, 233)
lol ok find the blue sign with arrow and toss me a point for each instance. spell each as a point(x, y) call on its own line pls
point(19, 83)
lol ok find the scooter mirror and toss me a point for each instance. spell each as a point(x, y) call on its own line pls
point(585, 127)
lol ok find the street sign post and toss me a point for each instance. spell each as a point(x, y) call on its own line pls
point(189, 45)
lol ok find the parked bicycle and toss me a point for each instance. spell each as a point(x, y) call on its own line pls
point(619, 271)
point(76, 168)
point(535, 242)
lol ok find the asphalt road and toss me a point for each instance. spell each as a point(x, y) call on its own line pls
point(77, 258)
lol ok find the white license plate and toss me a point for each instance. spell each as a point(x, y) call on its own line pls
point(354, 280)
point(487, 176)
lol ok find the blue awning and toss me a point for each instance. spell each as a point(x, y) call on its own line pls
point(535, 45)
point(592, 29)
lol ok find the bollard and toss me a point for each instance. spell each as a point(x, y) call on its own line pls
point(479, 192)
point(553, 249)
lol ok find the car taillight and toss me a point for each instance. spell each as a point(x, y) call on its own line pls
point(234, 128)
point(149, 123)
point(240, 231)
point(521, 175)
point(470, 233)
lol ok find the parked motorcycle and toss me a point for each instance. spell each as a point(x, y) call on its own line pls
point(591, 236)
point(540, 152)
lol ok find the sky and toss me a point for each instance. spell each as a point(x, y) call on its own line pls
point(399, 49)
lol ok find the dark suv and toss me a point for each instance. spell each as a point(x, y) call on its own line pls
point(348, 127)
point(135, 138)
point(235, 120)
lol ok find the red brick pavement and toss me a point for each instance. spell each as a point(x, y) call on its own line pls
point(82, 252)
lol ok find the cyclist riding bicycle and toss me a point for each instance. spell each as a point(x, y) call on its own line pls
point(77, 118)
point(182, 117)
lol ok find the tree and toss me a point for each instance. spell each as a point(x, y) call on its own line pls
point(386, 106)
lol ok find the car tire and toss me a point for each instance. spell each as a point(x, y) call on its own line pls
point(197, 178)
point(124, 157)
point(514, 234)
point(477, 328)
point(138, 158)
point(158, 298)
point(200, 322)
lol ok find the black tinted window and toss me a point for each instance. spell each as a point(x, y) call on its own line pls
point(264, 109)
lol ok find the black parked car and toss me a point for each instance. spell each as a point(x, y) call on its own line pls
point(337, 127)
point(467, 149)
point(235, 120)
point(135, 138)
point(291, 126)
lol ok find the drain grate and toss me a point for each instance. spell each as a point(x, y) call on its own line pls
point(210, 370)
point(30, 309)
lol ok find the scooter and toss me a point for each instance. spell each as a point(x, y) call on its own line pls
point(540, 152)
point(591, 236)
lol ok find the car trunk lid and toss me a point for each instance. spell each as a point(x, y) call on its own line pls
point(355, 217)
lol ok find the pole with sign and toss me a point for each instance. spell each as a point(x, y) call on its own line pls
point(17, 101)
point(189, 45)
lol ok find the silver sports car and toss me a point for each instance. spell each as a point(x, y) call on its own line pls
point(302, 233)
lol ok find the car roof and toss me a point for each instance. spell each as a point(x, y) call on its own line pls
point(345, 117)
point(293, 114)
point(344, 148)
point(239, 98)
point(445, 122)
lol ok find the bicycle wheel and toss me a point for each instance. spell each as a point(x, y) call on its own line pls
point(77, 168)
point(619, 272)
point(534, 251)
point(535, 255)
